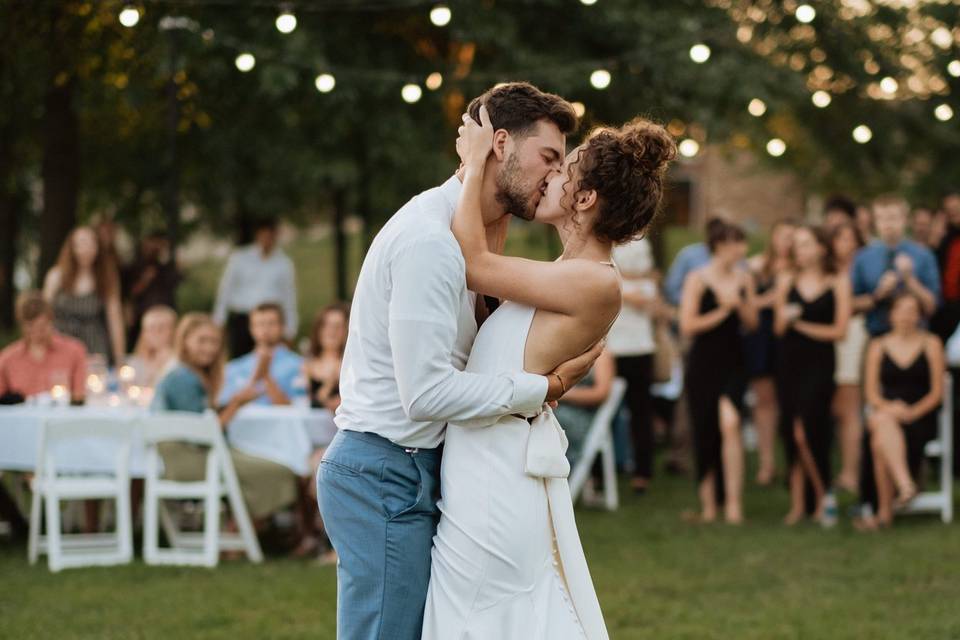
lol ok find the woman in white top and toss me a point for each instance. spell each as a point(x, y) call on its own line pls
point(846, 241)
point(631, 341)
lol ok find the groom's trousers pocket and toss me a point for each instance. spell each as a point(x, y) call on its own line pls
point(409, 485)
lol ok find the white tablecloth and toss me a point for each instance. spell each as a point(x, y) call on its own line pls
point(286, 435)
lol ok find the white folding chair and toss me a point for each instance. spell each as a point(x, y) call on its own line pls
point(220, 481)
point(940, 501)
point(599, 442)
point(51, 486)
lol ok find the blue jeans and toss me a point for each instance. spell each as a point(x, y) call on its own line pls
point(379, 506)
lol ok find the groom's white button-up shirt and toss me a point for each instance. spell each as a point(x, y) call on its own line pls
point(412, 326)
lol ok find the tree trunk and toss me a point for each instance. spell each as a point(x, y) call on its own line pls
point(61, 150)
point(9, 222)
point(340, 241)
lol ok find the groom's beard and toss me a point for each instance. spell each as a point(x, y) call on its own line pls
point(511, 190)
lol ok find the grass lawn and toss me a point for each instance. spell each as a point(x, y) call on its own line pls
point(656, 576)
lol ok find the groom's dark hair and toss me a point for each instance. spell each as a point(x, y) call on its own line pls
point(518, 106)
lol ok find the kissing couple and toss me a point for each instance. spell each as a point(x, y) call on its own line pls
point(481, 542)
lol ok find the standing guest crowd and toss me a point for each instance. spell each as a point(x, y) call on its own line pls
point(829, 340)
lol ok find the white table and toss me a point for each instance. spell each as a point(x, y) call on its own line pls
point(285, 435)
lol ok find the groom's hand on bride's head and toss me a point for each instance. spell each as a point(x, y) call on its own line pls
point(565, 376)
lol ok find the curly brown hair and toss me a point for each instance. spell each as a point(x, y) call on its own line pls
point(626, 166)
point(518, 106)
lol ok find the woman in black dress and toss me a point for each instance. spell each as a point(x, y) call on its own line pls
point(717, 304)
point(813, 307)
point(761, 345)
point(903, 383)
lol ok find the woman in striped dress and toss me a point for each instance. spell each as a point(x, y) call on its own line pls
point(83, 288)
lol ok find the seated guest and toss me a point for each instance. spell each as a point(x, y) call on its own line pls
point(904, 388)
point(578, 407)
point(191, 386)
point(154, 350)
point(42, 357)
point(271, 369)
point(328, 339)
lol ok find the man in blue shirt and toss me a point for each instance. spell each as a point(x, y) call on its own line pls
point(689, 259)
point(271, 370)
point(891, 264)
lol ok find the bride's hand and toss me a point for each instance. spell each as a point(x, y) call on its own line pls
point(475, 141)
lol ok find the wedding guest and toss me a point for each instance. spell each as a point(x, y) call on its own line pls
point(154, 349)
point(904, 388)
point(271, 368)
point(948, 259)
point(890, 264)
point(84, 289)
point(150, 281)
point(254, 275)
point(812, 309)
point(838, 210)
point(192, 385)
point(631, 341)
point(922, 227)
point(847, 404)
point(718, 300)
point(688, 260)
point(42, 357)
point(866, 221)
point(761, 345)
point(328, 339)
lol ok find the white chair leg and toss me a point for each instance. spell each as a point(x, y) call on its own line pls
point(211, 512)
point(54, 543)
point(610, 491)
point(33, 542)
point(239, 508)
point(124, 521)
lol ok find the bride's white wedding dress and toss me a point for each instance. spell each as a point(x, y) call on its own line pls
point(507, 563)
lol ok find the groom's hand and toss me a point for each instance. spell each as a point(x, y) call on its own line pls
point(564, 377)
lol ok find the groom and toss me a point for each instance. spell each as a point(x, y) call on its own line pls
point(412, 326)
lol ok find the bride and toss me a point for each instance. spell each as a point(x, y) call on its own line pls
point(507, 561)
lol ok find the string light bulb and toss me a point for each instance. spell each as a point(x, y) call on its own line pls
point(757, 107)
point(689, 148)
point(943, 112)
point(440, 15)
point(600, 79)
point(325, 82)
point(286, 21)
point(889, 85)
point(776, 147)
point(245, 62)
point(954, 68)
point(700, 53)
point(862, 134)
point(588, 2)
point(805, 13)
point(821, 99)
point(579, 108)
point(411, 93)
point(129, 16)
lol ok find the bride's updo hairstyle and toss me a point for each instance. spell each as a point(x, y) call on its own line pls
point(626, 166)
